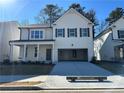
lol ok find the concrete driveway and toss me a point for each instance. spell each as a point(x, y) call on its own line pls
point(79, 69)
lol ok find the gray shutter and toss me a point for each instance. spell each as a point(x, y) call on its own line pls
point(88, 32)
point(68, 32)
point(75, 32)
point(118, 34)
point(80, 33)
point(55, 32)
point(63, 32)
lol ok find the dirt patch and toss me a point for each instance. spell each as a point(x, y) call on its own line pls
point(7, 84)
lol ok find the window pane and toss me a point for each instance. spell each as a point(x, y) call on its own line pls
point(84, 32)
point(72, 32)
point(121, 33)
point(60, 32)
point(36, 34)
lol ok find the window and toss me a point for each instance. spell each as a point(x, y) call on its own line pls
point(35, 52)
point(120, 33)
point(72, 32)
point(60, 32)
point(84, 32)
point(36, 34)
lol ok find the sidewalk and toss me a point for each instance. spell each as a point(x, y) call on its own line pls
point(60, 82)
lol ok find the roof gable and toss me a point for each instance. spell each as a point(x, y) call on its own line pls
point(108, 29)
point(71, 10)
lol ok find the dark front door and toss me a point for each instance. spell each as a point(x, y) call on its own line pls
point(48, 54)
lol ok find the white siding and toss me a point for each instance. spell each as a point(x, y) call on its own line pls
point(24, 34)
point(47, 33)
point(73, 20)
point(8, 31)
point(104, 45)
point(119, 25)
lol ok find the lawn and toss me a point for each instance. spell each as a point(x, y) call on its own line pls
point(25, 69)
point(114, 67)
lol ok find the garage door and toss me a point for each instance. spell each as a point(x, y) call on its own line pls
point(73, 54)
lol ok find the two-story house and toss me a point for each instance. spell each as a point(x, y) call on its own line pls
point(70, 38)
point(109, 44)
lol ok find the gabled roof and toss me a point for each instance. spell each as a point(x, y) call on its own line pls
point(48, 25)
point(73, 10)
point(107, 29)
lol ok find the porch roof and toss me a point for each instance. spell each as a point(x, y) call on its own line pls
point(120, 46)
point(31, 42)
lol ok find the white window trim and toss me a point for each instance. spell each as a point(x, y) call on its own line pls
point(34, 35)
point(82, 35)
point(62, 33)
point(119, 33)
point(75, 32)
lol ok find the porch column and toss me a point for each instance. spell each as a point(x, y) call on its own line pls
point(11, 53)
point(53, 54)
point(24, 53)
point(37, 52)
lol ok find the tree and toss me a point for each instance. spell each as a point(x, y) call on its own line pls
point(78, 7)
point(41, 18)
point(102, 25)
point(115, 15)
point(49, 14)
point(91, 15)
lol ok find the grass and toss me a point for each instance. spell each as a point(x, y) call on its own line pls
point(25, 69)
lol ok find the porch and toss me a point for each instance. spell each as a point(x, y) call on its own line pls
point(33, 50)
point(119, 53)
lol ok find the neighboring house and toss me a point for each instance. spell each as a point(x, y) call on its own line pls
point(109, 44)
point(69, 39)
point(8, 31)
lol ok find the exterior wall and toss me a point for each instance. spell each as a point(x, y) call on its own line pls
point(73, 20)
point(119, 25)
point(104, 45)
point(25, 33)
point(30, 52)
point(8, 31)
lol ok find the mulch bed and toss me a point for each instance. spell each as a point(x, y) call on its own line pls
point(7, 84)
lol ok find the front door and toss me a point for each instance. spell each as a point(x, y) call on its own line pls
point(48, 54)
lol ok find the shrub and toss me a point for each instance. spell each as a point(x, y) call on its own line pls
point(93, 59)
point(6, 61)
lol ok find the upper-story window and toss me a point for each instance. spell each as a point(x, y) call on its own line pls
point(72, 32)
point(84, 32)
point(120, 33)
point(60, 32)
point(37, 34)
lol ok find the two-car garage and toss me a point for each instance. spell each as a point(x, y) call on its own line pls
point(72, 54)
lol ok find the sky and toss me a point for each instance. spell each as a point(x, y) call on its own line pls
point(21, 10)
